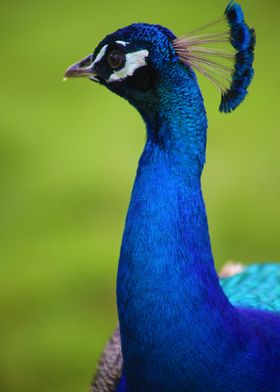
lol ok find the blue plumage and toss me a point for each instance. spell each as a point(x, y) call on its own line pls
point(182, 329)
point(243, 39)
point(258, 286)
point(234, 13)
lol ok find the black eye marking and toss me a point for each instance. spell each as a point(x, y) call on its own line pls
point(116, 58)
point(143, 79)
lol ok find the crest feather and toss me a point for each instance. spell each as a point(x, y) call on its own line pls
point(231, 70)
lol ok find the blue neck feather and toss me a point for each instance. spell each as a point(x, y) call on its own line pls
point(179, 332)
point(166, 279)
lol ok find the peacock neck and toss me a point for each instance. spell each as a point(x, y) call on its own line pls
point(167, 288)
point(176, 121)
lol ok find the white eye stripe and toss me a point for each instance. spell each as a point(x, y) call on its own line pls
point(123, 43)
point(103, 51)
point(134, 61)
point(100, 55)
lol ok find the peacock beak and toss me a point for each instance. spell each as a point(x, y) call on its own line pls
point(82, 69)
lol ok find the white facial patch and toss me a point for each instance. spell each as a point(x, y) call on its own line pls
point(100, 55)
point(133, 61)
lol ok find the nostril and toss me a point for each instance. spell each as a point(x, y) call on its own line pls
point(86, 62)
point(83, 68)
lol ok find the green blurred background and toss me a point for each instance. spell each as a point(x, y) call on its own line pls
point(68, 155)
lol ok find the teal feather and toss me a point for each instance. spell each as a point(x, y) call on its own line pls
point(258, 286)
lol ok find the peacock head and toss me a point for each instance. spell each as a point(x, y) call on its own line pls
point(130, 62)
point(135, 61)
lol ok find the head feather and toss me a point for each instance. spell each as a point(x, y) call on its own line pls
point(229, 69)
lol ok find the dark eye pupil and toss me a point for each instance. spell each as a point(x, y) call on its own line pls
point(116, 58)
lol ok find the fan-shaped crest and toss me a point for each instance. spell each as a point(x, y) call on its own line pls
point(225, 58)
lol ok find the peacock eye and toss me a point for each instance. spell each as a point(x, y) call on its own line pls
point(116, 58)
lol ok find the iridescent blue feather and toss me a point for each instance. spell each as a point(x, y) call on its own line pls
point(231, 71)
point(243, 39)
point(258, 286)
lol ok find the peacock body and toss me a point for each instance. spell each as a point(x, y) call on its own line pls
point(183, 329)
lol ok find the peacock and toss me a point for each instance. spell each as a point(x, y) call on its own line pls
point(182, 328)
